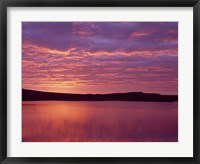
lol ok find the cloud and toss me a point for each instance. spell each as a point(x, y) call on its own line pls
point(75, 57)
point(140, 34)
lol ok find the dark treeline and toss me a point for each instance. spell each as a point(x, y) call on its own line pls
point(31, 95)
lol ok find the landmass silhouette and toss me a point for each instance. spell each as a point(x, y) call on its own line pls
point(32, 95)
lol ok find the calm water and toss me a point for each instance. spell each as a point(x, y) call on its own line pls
point(99, 121)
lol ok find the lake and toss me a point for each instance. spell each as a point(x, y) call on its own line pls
point(99, 121)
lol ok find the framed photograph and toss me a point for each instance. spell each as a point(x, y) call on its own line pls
point(99, 81)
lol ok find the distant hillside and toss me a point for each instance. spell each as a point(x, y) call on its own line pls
point(31, 95)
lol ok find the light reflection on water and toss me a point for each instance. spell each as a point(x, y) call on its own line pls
point(99, 121)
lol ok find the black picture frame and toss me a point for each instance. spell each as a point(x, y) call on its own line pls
point(98, 3)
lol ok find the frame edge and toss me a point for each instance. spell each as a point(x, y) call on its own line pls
point(3, 82)
point(196, 78)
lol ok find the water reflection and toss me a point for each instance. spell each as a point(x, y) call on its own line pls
point(100, 121)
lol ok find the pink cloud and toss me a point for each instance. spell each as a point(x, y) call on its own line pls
point(140, 34)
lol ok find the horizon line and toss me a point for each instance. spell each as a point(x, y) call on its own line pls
point(102, 93)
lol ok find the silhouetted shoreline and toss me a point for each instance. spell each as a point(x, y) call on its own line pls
point(31, 95)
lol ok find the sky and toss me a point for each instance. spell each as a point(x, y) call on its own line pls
point(100, 57)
